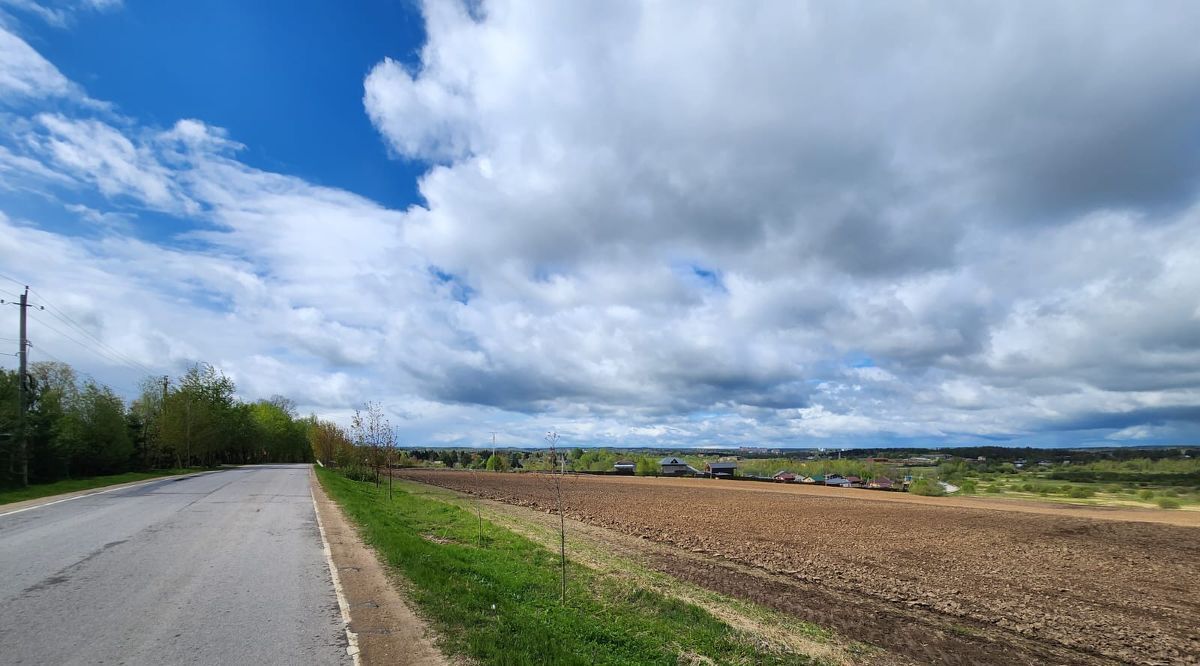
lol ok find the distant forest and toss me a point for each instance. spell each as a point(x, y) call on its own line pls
point(78, 427)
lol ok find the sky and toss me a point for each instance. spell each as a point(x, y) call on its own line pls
point(669, 224)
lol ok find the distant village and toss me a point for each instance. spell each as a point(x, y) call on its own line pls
point(728, 469)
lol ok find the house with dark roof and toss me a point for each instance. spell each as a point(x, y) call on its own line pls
point(880, 483)
point(834, 480)
point(723, 469)
point(784, 476)
point(671, 466)
point(624, 467)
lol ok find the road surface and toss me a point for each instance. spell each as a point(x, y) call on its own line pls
point(222, 568)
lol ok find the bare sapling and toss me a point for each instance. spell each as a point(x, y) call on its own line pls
point(475, 493)
point(556, 477)
point(372, 431)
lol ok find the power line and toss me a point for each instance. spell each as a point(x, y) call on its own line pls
point(100, 348)
point(58, 314)
point(99, 352)
point(44, 352)
point(105, 347)
point(87, 375)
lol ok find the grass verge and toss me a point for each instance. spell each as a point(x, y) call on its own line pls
point(74, 485)
point(586, 545)
point(499, 604)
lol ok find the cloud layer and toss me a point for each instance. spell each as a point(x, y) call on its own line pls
point(785, 224)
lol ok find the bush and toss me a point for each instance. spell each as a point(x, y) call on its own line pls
point(1028, 487)
point(1168, 503)
point(969, 487)
point(994, 488)
point(496, 463)
point(1079, 492)
point(1170, 492)
point(927, 487)
point(1146, 494)
point(358, 472)
point(646, 467)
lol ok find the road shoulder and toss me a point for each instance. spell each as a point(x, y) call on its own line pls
point(387, 629)
point(25, 505)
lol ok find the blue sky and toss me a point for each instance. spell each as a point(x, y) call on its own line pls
point(669, 224)
point(284, 77)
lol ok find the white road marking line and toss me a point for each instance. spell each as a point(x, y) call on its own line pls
point(351, 637)
point(100, 492)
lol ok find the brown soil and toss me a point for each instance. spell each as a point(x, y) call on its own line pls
point(388, 631)
point(930, 582)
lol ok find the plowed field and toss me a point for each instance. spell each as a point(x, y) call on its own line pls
point(929, 583)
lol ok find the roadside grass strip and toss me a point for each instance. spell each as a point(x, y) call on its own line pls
point(89, 483)
point(778, 630)
point(500, 603)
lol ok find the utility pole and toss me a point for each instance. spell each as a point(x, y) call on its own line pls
point(162, 411)
point(22, 381)
point(188, 433)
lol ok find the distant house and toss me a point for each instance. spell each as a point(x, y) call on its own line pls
point(880, 483)
point(838, 481)
point(624, 467)
point(855, 482)
point(721, 468)
point(784, 477)
point(816, 478)
point(674, 467)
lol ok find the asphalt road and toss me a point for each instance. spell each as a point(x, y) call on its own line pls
point(223, 568)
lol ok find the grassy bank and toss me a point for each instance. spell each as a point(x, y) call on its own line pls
point(594, 549)
point(500, 603)
point(73, 485)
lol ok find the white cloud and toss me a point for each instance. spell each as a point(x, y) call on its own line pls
point(58, 17)
point(59, 14)
point(422, 119)
point(96, 151)
point(684, 223)
point(24, 73)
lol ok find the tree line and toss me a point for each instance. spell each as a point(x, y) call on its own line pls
point(78, 427)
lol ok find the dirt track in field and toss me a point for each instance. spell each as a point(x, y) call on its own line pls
point(935, 584)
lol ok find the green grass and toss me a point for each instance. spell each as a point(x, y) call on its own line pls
point(73, 485)
point(500, 604)
point(1090, 493)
